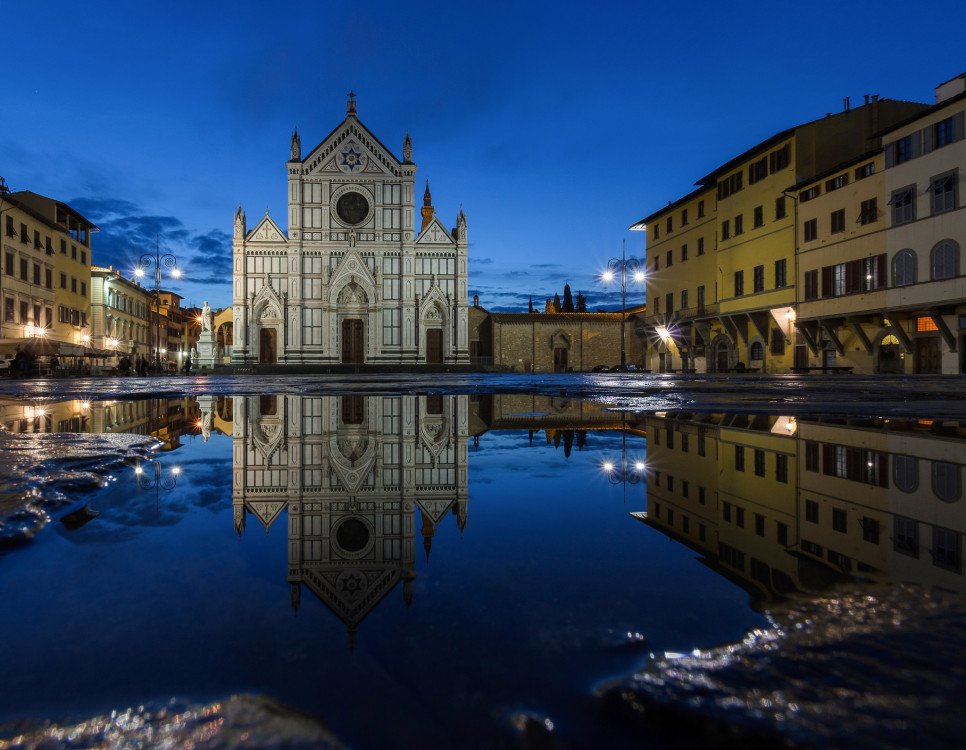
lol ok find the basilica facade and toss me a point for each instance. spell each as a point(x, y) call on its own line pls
point(352, 281)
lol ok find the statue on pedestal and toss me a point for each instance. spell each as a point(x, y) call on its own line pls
point(206, 319)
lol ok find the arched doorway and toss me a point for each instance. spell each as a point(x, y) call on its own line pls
point(267, 346)
point(434, 346)
point(888, 361)
point(723, 354)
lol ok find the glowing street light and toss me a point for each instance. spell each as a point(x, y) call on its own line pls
point(623, 266)
point(159, 481)
point(155, 262)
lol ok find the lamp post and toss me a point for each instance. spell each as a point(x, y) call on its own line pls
point(623, 266)
point(157, 260)
point(623, 474)
point(159, 482)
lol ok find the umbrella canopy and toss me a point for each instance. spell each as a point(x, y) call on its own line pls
point(71, 350)
point(39, 346)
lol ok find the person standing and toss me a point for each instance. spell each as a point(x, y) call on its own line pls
point(187, 365)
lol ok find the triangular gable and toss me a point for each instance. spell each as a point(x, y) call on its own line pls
point(436, 234)
point(378, 159)
point(352, 267)
point(435, 508)
point(266, 231)
point(266, 511)
point(351, 603)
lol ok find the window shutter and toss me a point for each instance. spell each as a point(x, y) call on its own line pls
point(880, 271)
point(916, 144)
point(927, 136)
point(827, 281)
point(890, 155)
point(958, 126)
point(828, 460)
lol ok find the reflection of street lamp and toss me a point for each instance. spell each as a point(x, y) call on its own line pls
point(144, 265)
point(158, 482)
point(623, 474)
point(623, 266)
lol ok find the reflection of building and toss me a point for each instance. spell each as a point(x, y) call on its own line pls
point(350, 474)
point(352, 281)
point(161, 418)
point(780, 504)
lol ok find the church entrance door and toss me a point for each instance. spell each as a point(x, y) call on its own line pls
point(434, 346)
point(353, 342)
point(560, 359)
point(267, 340)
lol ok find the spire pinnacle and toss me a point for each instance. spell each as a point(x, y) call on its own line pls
point(351, 104)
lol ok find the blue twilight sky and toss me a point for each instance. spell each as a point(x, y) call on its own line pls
point(555, 125)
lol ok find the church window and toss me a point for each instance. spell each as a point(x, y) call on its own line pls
point(391, 194)
point(312, 192)
point(391, 326)
point(391, 288)
point(391, 265)
point(390, 218)
point(312, 327)
point(311, 217)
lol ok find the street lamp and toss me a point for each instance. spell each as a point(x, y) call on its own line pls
point(145, 264)
point(159, 482)
point(623, 266)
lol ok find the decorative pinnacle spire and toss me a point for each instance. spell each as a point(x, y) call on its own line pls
point(296, 146)
point(427, 198)
point(408, 149)
point(351, 105)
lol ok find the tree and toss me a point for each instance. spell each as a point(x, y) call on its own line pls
point(556, 302)
point(531, 304)
point(581, 303)
point(568, 300)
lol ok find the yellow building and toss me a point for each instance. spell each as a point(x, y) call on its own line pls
point(681, 281)
point(841, 271)
point(121, 311)
point(46, 268)
point(925, 164)
point(755, 239)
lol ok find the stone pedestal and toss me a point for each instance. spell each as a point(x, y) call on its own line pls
point(207, 346)
point(207, 406)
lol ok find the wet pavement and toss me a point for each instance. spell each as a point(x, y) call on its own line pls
point(482, 561)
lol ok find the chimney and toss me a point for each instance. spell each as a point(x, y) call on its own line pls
point(845, 104)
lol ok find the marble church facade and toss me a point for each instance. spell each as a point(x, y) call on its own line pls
point(352, 280)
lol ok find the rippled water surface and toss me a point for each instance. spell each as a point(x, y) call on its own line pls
point(481, 563)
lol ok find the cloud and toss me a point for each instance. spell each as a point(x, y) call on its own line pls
point(481, 261)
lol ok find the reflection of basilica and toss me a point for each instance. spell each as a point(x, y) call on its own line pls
point(350, 473)
point(780, 504)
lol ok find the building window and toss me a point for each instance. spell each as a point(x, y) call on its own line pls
point(701, 496)
point(945, 260)
point(685, 443)
point(83, 289)
point(669, 259)
point(701, 448)
point(48, 278)
point(777, 342)
point(905, 470)
point(758, 170)
point(73, 252)
point(657, 263)
point(811, 284)
point(759, 460)
point(781, 468)
point(836, 182)
point(870, 530)
point(947, 549)
point(700, 299)
point(739, 224)
point(780, 208)
point(8, 264)
point(9, 315)
point(903, 207)
point(684, 217)
point(783, 534)
point(63, 281)
point(757, 352)
point(83, 258)
point(866, 170)
point(781, 276)
point(657, 231)
point(24, 268)
point(684, 300)
point(905, 538)
point(36, 274)
point(73, 285)
point(739, 517)
point(811, 511)
point(811, 230)
point(945, 481)
point(759, 216)
point(739, 458)
point(811, 194)
point(684, 252)
point(670, 224)
point(700, 245)
point(903, 149)
point(811, 455)
point(944, 133)
point(730, 185)
point(725, 229)
point(869, 212)
point(739, 283)
point(24, 237)
point(840, 520)
point(904, 268)
point(669, 301)
point(758, 278)
point(838, 221)
point(943, 193)
point(778, 160)
point(700, 209)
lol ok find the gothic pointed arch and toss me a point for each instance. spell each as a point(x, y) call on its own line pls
point(352, 456)
point(434, 306)
point(267, 305)
point(352, 269)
